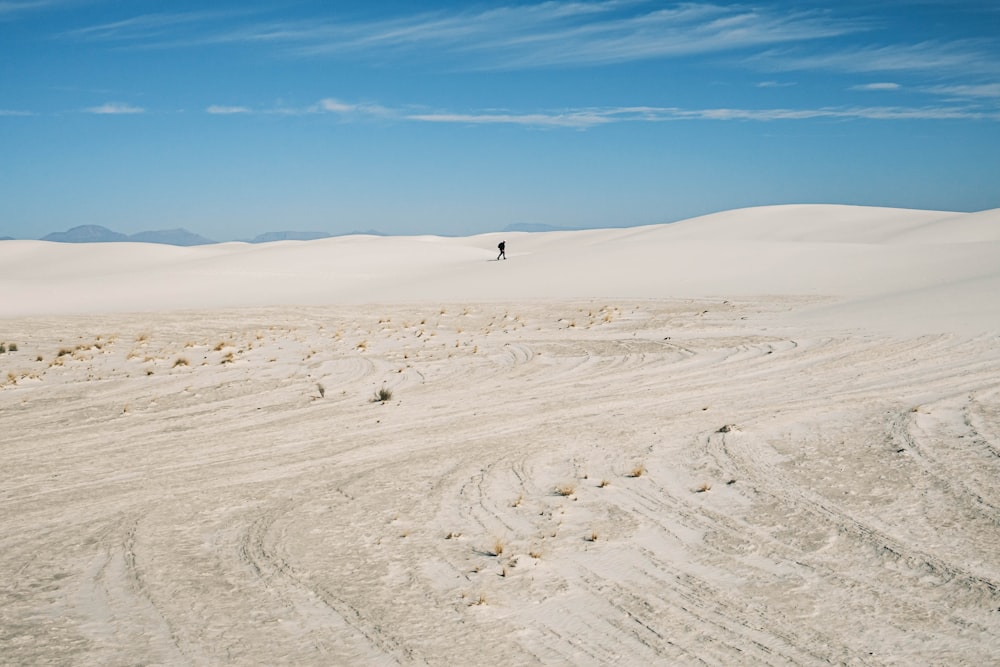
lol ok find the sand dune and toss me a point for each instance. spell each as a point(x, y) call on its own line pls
point(768, 436)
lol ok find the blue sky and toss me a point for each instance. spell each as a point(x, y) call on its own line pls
point(235, 118)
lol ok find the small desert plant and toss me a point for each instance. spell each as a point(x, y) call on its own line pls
point(703, 488)
point(535, 553)
point(517, 501)
point(321, 389)
point(3, 348)
point(497, 547)
point(181, 361)
point(382, 395)
point(63, 351)
point(12, 347)
point(565, 490)
point(603, 483)
point(592, 537)
point(638, 471)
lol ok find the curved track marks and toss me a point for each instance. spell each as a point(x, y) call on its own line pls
point(550, 483)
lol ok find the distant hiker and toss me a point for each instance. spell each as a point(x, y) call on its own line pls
point(502, 245)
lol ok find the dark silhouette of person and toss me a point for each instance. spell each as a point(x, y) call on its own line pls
point(502, 245)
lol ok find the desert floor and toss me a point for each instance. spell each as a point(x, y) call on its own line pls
point(562, 481)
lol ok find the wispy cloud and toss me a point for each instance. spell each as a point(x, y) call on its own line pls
point(571, 33)
point(12, 8)
point(148, 29)
point(331, 105)
point(114, 108)
point(226, 110)
point(982, 90)
point(885, 85)
point(958, 57)
point(15, 112)
point(554, 33)
point(587, 118)
point(591, 117)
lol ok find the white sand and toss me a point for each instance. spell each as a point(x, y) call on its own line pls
point(202, 478)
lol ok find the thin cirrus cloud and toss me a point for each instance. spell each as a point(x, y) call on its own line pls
point(223, 110)
point(115, 108)
point(565, 33)
point(961, 57)
point(160, 29)
point(12, 8)
point(511, 37)
point(587, 118)
point(883, 85)
point(572, 33)
point(988, 90)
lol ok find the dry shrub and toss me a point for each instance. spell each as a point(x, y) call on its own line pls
point(637, 471)
point(497, 549)
point(565, 490)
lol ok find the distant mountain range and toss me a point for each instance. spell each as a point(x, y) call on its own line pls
point(530, 227)
point(178, 237)
point(182, 237)
point(268, 237)
point(98, 234)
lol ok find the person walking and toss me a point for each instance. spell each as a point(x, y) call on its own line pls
point(502, 245)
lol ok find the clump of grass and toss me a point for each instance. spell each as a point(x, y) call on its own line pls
point(63, 351)
point(3, 348)
point(517, 501)
point(592, 537)
point(228, 359)
point(703, 488)
point(181, 361)
point(603, 483)
point(382, 395)
point(637, 471)
point(535, 553)
point(565, 490)
point(12, 347)
point(497, 549)
point(321, 389)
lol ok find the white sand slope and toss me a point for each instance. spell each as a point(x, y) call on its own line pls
point(768, 436)
point(865, 255)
